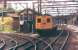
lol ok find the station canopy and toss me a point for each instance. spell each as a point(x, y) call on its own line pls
point(52, 7)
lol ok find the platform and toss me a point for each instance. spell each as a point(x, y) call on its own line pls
point(72, 43)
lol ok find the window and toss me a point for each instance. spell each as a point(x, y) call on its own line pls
point(3, 14)
point(48, 20)
point(39, 20)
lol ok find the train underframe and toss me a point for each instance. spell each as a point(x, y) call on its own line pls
point(48, 32)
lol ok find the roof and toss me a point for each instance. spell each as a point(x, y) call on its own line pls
point(30, 11)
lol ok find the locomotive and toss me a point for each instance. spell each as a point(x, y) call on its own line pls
point(44, 25)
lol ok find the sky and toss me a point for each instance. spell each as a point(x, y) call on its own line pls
point(63, 9)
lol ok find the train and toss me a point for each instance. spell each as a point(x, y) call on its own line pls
point(44, 25)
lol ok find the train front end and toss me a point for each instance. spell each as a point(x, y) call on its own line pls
point(44, 25)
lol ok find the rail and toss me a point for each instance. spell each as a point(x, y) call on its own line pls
point(60, 42)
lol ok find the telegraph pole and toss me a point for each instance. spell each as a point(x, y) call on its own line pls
point(4, 8)
point(5, 3)
point(39, 6)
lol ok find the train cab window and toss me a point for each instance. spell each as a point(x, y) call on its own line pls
point(39, 20)
point(48, 20)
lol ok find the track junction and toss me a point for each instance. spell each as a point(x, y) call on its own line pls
point(15, 41)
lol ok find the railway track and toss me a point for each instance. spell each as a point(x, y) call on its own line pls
point(45, 43)
point(48, 43)
point(39, 43)
point(52, 44)
point(24, 42)
point(59, 44)
point(7, 41)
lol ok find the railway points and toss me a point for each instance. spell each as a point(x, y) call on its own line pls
point(21, 41)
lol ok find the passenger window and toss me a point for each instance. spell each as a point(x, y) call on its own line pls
point(48, 20)
point(39, 20)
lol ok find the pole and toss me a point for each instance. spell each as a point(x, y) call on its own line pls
point(4, 8)
point(39, 6)
point(33, 20)
point(5, 4)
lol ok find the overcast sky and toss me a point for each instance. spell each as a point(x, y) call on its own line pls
point(63, 7)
